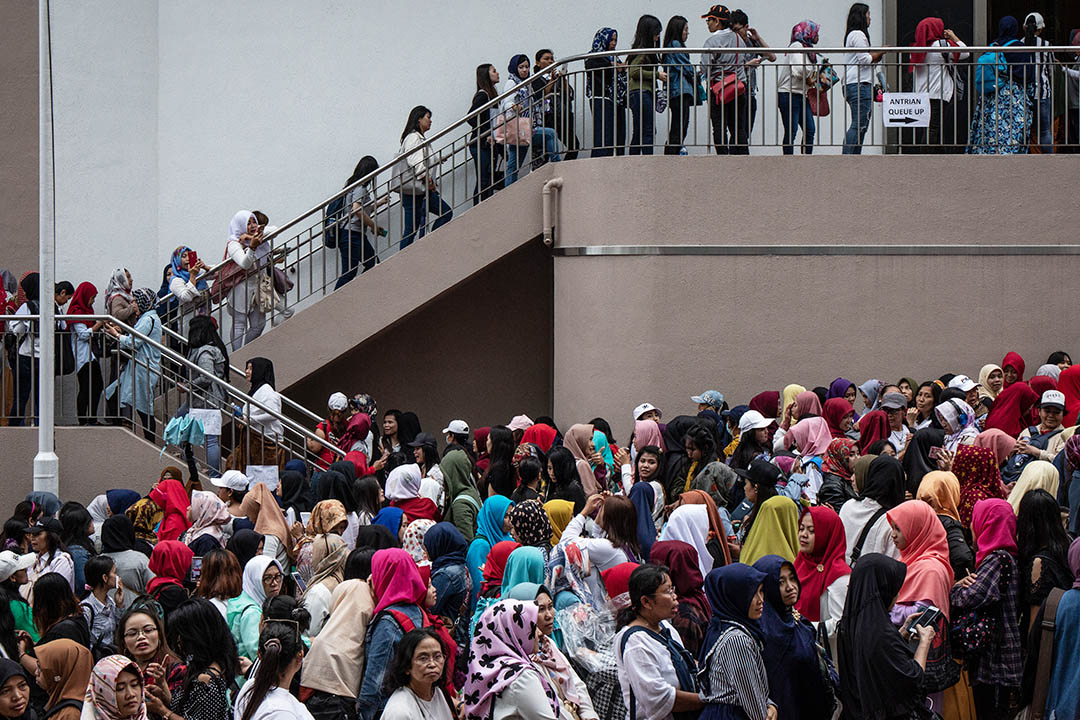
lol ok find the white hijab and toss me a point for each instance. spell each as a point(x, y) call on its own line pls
point(253, 575)
point(403, 482)
point(690, 523)
point(238, 225)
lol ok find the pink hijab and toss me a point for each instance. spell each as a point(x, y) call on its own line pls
point(993, 527)
point(647, 432)
point(1001, 442)
point(926, 554)
point(395, 579)
point(808, 403)
point(812, 435)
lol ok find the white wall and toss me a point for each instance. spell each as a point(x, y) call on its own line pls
point(172, 116)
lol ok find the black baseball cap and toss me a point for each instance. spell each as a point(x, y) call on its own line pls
point(720, 12)
point(424, 438)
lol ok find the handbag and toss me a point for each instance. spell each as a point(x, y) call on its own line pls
point(513, 130)
point(727, 88)
point(282, 282)
point(661, 100)
point(264, 297)
point(974, 632)
point(818, 100)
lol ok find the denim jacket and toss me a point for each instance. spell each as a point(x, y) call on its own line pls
point(382, 639)
point(682, 77)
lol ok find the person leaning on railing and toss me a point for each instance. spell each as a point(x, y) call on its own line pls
point(527, 105)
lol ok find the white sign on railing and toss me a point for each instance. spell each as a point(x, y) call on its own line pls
point(906, 109)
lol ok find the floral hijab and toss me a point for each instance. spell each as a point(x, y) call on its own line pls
point(977, 470)
point(100, 702)
point(838, 457)
point(530, 524)
point(961, 419)
point(502, 649)
point(806, 34)
point(414, 539)
point(118, 286)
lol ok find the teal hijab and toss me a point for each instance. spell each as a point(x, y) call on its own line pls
point(525, 565)
point(600, 444)
point(489, 522)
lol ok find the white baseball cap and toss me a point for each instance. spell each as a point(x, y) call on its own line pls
point(753, 420)
point(337, 401)
point(1053, 398)
point(520, 422)
point(232, 479)
point(1040, 23)
point(11, 563)
point(963, 382)
point(457, 427)
point(644, 408)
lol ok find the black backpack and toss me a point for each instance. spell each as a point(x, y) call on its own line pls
point(333, 219)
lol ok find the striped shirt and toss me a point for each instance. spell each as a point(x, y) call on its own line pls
point(734, 674)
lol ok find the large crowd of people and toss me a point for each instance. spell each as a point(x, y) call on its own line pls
point(786, 557)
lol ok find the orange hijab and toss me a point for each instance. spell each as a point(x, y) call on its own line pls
point(926, 554)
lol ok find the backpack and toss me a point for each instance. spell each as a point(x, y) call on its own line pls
point(989, 68)
point(78, 704)
point(1014, 466)
point(333, 219)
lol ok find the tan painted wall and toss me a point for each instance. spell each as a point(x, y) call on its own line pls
point(92, 460)
point(19, 119)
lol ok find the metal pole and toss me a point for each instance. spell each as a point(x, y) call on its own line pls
point(46, 463)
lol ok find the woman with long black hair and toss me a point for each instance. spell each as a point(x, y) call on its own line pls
point(1043, 562)
point(482, 146)
point(858, 77)
point(565, 484)
point(266, 695)
point(354, 244)
point(500, 478)
point(415, 175)
point(645, 70)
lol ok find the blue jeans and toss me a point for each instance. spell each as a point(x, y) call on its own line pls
point(1045, 119)
point(550, 141)
point(515, 154)
point(213, 454)
point(642, 122)
point(417, 208)
point(355, 249)
point(608, 128)
point(860, 99)
point(795, 111)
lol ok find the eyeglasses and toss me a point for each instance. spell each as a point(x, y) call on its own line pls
point(273, 579)
point(670, 591)
point(428, 658)
point(145, 631)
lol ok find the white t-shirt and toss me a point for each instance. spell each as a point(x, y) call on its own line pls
point(934, 76)
point(404, 704)
point(859, 68)
point(277, 705)
point(645, 665)
point(794, 69)
point(898, 438)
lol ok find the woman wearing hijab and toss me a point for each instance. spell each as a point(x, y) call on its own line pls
point(332, 670)
point(693, 612)
point(864, 519)
point(997, 440)
point(977, 471)
point(1037, 475)
point(171, 564)
point(579, 441)
point(941, 491)
point(208, 517)
point(932, 73)
point(991, 382)
point(837, 468)
point(917, 461)
point(873, 426)
point(328, 553)
point(184, 264)
point(246, 251)
point(526, 105)
point(296, 494)
point(258, 443)
point(489, 531)
point(524, 565)
point(882, 676)
point(463, 502)
point(119, 302)
point(957, 420)
point(118, 542)
point(924, 548)
point(261, 508)
point(789, 649)
point(560, 513)
point(821, 568)
point(245, 544)
point(607, 89)
point(1069, 385)
point(398, 589)
point(774, 532)
point(1002, 118)
point(393, 519)
point(135, 386)
point(1012, 367)
point(87, 366)
point(870, 391)
point(262, 579)
point(445, 546)
point(1012, 409)
point(64, 668)
point(529, 525)
point(993, 591)
point(169, 495)
point(403, 491)
point(115, 691)
point(840, 415)
point(690, 524)
point(412, 540)
point(734, 682)
point(812, 438)
point(792, 88)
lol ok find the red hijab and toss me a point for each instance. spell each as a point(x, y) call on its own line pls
point(480, 436)
point(82, 302)
point(977, 470)
point(540, 435)
point(819, 569)
point(170, 562)
point(495, 565)
point(836, 409)
point(873, 426)
point(617, 583)
point(1012, 409)
point(1017, 363)
point(681, 559)
point(169, 495)
point(766, 403)
point(1069, 384)
point(927, 32)
point(419, 508)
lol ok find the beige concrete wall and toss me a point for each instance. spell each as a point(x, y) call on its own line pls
point(92, 460)
point(19, 120)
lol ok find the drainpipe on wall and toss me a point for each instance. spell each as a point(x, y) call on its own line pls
point(549, 200)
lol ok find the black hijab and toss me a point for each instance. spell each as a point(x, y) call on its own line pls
point(30, 285)
point(244, 544)
point(376, 537)
point(917, 460)
point(117, 534)
point(885, 482)
point(295, 492)
point(10, 669)
point(881, 677)
point(335, 485)
point(262, 373)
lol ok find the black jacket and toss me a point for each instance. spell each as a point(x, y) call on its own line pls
point(960, 556)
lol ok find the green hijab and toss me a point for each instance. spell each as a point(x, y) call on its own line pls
point(456, 471)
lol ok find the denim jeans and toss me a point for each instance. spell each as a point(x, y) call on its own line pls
point(795, 111)
point(608, 129)
point(515, 155)
point(548, 139)
point(417, 208)
point(860, 99)
point(355, 249)
point(642, 122)
point(1044, 120)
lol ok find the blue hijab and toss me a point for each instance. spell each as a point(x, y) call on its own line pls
point(389, 518)
point(445, 546)
point(180, 272)
point(644, 498)
point(790, 652)
point(515, 61)
point(602, 39)
point(121, 500)
point(489, 521)
point(1008, 30)
point(48, 502)
point(730, 590)
point(600, 443)
point(871, 388)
